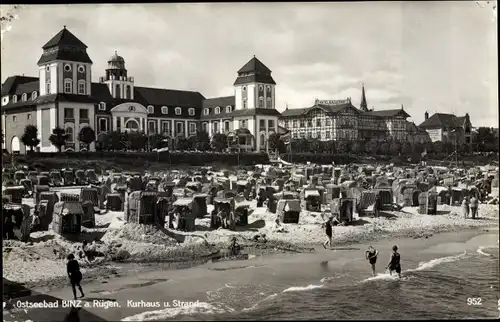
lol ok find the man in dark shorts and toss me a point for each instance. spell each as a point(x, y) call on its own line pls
point(74, 274)
point(371, 255)
point(394, 262)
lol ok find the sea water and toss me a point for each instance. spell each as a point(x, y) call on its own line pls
point(435, 285)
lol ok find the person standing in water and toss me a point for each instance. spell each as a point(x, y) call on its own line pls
point(371, 255)
point(74, 274)
point(394, 262)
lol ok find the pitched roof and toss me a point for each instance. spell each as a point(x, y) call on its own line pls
point(169, 97)
point(387, 113)
point(65, 53)
point(255, 111)
point(254, 65)
point(11, 84)
point(330, 109)
point(221, 102)
point(442, 120)
point(64, 38)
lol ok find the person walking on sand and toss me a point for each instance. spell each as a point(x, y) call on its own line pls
point(329, 233)
point(371, 255)
point(394, 262)
point(74, 274)
point(474, 203)
point(465, 207)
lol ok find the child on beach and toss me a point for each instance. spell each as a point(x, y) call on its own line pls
point(394, 262)
point(74, 274)
point(329, 233)
point(371, 255)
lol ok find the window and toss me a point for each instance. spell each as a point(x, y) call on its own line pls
point(302, 123)
point(328, 134)
point(29, 116)
point(68, 86)
point(14, 99)
point(191, 111)
point(261, 88)
point(327, 122)
point(270, 124)
point(309, 123)
point(243, 124)
point(268, 88)
point(204, 127)
point(14, 118)
point(179, 127)
point(206, 111)
point(67, 67)
point(118, 123)
point(152, 127)
point(165, 127)
point(178, 111)
point(48, 69)
point(69, 132)
point(84, 114)
point(103, 125)
point(33, 95)
point(128, 92)
point(69, 113)
point(318, 135)
point(286, 124)
point(164, 110)
point(244, 104)
point(102, 106)
point(226, 126)
point(47, 89)
point(24, 97)
point(309, 135)
point(228, 109)
point(294, 122)
point(244, 88)
point(131, 108)
point(192, 128)
point(318, 122)
point(81, 69)
point(217, 110)
point(215, 128)
point(262, 124)
point(151, 109)
point(261, 102)
point(81, 88)
point(269, 102)
point(117, 91)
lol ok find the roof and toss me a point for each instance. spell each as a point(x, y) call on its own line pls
point(160, 96)
point(221, 102)
point(442, 120)
point(254, 72)
point(61, 97)
point(64, 38)
point(11, 84)
point(330, 109)
point(254, 65)
point(266, 79)
point(387, 113)
point(255, 111)
point(68, 207)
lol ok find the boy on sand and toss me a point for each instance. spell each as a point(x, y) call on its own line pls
point(371, 255)
point(394, 262)
point(74, 274)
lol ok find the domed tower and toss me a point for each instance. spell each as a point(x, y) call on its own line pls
point(120, 85)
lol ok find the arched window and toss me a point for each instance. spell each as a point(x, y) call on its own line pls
point(151, 109)
point(24, 97)
point(33, 95)
point(128, 92)
point(206, 111)
point(178, 111)
point(191, 111)
point(204, 126)
point(132, 125)
point(68, 86)
point(82, 90)
point(228, 109)
point(215, 128)
point(14, 99)
point(217, 110)
point(69, 132)
point(103, 125)
point(164, 110)
point(117, 91)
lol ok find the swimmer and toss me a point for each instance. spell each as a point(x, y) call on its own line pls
point(394, 262)
point(371, 255)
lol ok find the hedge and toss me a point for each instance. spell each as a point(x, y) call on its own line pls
point(187, 158)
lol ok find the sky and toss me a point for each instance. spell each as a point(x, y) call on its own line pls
point(427, 56)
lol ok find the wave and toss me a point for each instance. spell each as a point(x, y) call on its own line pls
point(157, 315)
point(253, 307)
point(302, 288)
point(434, 262)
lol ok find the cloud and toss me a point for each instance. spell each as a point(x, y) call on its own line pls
point(435, 56)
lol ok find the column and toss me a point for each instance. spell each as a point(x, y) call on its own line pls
point(76, 129)
point(210, 128)
point(122, 123)
point(159, 127)
point(267, 136)
point(114, 124)
point(172, 129)
point(141, 124)
point(186, 130)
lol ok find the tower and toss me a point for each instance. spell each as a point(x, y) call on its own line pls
point(65, 66)
point(254, 87)
point(120, 86)
point(363, 105)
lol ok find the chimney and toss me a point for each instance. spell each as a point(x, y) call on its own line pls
point(426, 115)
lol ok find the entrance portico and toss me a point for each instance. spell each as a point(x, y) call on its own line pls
point(128, 117)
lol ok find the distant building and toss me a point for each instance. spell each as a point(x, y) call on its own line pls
point(448, 128)
point(64, 96)
point(340, 120)
point(416, 134)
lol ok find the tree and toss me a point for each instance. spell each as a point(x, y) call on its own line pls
point(448, 147)
point(357, 147)
point(202, 141)
point(315, 146)
point(395, 147)
point(438, 147)
point(30, 136)
point(156, 141)
point(86, 135)
point(219, 142)
point(372, 146)
point(485, 140)
point(275, 143)
point(385, 148)
point(58, 138)
point(137, 140)
point(407, 149)
point(330, 147)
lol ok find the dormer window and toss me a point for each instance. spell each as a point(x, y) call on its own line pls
point(68, 86)
point(151, 109)
point(14, 99)
point(102, 106)
point(164, 110)
point(33, 95)
point(81, 88)
point(191, 111)
point(131, 108)
point(67, 67)
point(228, 109)
point(81, 69)
point(178, 111)
point(24, 97)
point(206, 111)
point(217, 110)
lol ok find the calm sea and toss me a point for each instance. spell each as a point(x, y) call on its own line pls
point(437, 283)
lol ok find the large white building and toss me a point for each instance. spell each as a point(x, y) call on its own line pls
point(64, 96)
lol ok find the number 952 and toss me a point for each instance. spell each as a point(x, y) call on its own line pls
point(474, 301)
